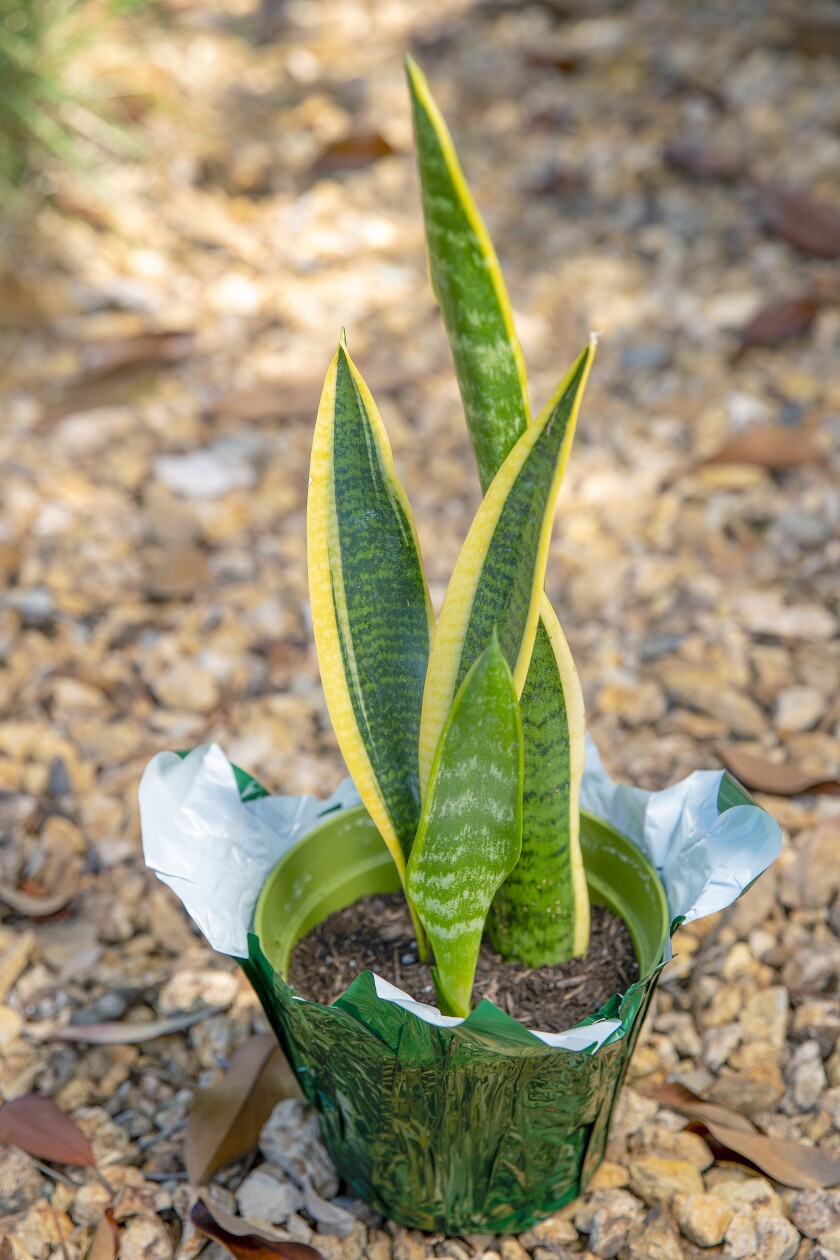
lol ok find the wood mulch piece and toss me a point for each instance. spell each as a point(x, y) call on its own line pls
point(375, 934)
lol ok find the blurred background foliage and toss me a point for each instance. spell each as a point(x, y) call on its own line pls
point(47, 109)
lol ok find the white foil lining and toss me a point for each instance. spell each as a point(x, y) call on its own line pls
point(215, 850)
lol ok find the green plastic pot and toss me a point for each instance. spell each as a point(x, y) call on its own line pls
point(476, 1128)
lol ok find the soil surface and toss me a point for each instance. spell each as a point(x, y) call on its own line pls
point(375, 934)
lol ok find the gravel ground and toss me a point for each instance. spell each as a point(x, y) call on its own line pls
point(166, 322)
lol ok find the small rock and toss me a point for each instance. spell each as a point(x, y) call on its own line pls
point(291, 1140)
point(703, 1218)
point(806, 1077)
point(656, 1178)
point(11, 1026)
point(556, 1230)
point(765, 1016)
point(750, 1091)
point(799, 709)
point(20, 1182)
point(145, 1238)
point(185, 685)
point(607, 1216)
point(267, 1197)
point(741, 1236)
point(609, 1176)
point(817, 1214)
point(657, 1239)
point(819, 1021)
point(749, 1194)
point(631, 1112)
point(409, 1244)
point(512, 1249)
point(777, 1238)
point(719, 1043)
point(635, 703)
point(679, 1145)
point(177, 573)
point(378, 1245)
point(205, 474)
point(14, 958)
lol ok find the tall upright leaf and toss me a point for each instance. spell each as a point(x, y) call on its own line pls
point(468, 284)
point(498, 578)
point(471, 829)
point(371, 611)
point(476, 312)
point(541, 913)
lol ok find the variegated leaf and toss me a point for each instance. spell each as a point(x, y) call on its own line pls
point(527, 922)
point(541, 913)
point(469, 286)
point(371, 611)
point(498, 578)
point(471, 828)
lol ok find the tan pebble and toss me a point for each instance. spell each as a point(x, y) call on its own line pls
point(750, 1193)
point(657, 1179)
point(14, 958)
point(741, 1236)
point(609, 1176)
point(11, 1026)
point(679, 1145)
point(512, 1249)
point(145, 1238)
point(703, 1218)
point(185, 685)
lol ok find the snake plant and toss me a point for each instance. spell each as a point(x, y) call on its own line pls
point(464, 738)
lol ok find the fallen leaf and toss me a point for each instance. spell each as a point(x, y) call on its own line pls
point(768, 446)
point(781, 322)
point(105, 1244)
point(337, 1220)
point(703, 162)
point(36, 1125)
point(789, 1163)
point(123, 1033)
point(811, 226)
point(36, 907)
point(566, 61)
point(761, 775)
point(816, 34)
point(243, 1239)
point(227, 1117)
point(352, 152)
point(118, 370)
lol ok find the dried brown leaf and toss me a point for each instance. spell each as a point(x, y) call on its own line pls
point(809, 225)
point(761, 775)
point(816, 34)
point(781, 322)
point(123, 1033)
point(704, 163)
point(789, 1163)
point(36, 1125)
point(352, 152)
point(226, 1118)
point(244, 1240)
point(768, 446)
point(105, 1244)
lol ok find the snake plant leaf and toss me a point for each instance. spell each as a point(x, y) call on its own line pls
point(470, 831)
point(540, 915)
point(371, 611)
point(469, 287)
point(498, 578)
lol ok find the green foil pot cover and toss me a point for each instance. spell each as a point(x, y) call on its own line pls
point(457, 1126)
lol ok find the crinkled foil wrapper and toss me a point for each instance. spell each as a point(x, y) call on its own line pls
point(457, 1127)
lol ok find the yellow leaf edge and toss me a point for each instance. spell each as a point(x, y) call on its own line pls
point(460, 593)
point(576, 720)
point(422, 93)
point(321, 529)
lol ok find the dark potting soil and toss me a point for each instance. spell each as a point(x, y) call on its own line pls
point(375, 934)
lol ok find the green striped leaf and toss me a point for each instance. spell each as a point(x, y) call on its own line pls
point(476, 313)
point(469, 287)
point(540, 914)
point(371, 611)
point(498, 578)
point(471, 828)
